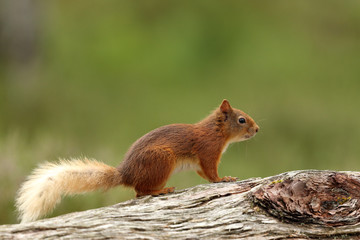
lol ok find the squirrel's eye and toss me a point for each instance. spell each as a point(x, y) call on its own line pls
point(242, 120)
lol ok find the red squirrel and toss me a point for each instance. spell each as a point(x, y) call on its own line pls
point(147, 165)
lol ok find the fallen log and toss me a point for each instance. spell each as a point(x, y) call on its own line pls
point(298, 205)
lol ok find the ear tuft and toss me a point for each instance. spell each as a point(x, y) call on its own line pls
point(225, 106)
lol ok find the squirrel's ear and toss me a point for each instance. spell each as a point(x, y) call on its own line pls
point(225, 106)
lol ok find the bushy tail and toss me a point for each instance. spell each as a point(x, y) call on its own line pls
point(44, 188)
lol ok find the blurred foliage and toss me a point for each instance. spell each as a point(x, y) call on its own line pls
point(90, 77)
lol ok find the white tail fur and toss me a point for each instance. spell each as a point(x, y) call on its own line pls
point(44, 188)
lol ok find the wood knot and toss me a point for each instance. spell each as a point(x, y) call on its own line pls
point(320, 197)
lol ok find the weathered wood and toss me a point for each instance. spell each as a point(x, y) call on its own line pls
point(297, 205)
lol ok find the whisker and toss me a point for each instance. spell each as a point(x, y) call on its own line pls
point(246, 151)
point(261, 120)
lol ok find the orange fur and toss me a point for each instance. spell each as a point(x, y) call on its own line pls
point(147, 166)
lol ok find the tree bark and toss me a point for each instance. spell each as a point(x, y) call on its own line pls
point(297, 205)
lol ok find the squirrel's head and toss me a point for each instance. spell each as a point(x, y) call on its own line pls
point(236, 123)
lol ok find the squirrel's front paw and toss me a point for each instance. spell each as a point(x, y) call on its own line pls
point(228, 179)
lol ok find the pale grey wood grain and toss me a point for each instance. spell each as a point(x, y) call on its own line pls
point(211, 211)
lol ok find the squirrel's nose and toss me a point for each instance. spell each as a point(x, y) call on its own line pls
point(257, 128)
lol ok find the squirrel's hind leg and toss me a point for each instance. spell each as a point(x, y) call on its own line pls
point(140, 193)
point(155, 175)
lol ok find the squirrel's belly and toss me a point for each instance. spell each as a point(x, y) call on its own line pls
point(184, 165)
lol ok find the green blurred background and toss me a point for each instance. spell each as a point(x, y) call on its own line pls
point(87, 78)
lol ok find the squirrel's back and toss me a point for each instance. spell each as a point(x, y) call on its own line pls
point(147, 166)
